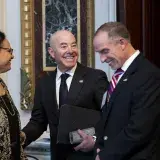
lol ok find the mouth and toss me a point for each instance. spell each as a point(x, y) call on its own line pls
point(69, 58)
point(9, 62)
point(110, 61)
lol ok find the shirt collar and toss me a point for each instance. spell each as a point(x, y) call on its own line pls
point(130, 60)
point(70, 72)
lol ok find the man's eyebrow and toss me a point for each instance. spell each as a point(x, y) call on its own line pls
point(104, 50)
point(63, 43)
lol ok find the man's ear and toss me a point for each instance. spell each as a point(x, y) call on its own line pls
point(51, 52)
point(123, 43)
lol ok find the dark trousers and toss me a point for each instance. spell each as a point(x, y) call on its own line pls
point(61, 152)
point(66, 152)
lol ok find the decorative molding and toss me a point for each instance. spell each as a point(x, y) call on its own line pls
point(27, 43)
point(79, 29)
point(45, 67)
point(90, 33)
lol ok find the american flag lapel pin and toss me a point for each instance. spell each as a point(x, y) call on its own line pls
point(125, 80)
point(81, 81)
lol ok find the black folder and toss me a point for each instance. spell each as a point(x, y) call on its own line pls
point(73, 118)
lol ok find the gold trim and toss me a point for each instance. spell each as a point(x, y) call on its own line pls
point(27, 43)
point(43, 42)
point(79, 29)
point(90, 33)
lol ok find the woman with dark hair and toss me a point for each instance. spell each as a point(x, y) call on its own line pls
point(10, 135)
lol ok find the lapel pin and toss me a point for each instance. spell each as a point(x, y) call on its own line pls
point(124, 80)
point(80, 81)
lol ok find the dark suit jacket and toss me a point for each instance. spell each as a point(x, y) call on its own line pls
point(130, 127)
point(87, 94)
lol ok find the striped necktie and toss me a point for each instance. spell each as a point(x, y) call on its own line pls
point(114, 82)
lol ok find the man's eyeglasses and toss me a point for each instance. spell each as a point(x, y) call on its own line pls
point(10, 50)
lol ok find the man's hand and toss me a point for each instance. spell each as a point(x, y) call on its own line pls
point(97, 157)
point(87, 144)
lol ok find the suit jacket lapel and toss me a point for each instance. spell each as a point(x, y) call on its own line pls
point(52, 92)
point(76, 85)
point(123, 81)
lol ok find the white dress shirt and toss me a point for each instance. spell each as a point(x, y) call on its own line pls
point(68, 81)
point(128, 63)
point(124, 68)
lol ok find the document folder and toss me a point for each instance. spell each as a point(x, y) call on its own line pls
point(73, 118)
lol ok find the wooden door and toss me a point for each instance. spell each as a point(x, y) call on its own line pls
point(142, 20)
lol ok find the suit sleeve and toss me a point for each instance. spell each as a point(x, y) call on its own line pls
point(38, 121)
point(143, 123)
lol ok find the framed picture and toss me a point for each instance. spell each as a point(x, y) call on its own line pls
point(40, 19)
point(58, 15)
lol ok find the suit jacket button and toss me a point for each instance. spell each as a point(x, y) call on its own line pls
point(105, 138)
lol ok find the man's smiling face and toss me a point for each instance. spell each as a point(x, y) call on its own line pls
point(110, 51)
point(64, 50)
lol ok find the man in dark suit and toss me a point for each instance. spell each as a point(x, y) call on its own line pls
point(86, 87)
point(130, 126)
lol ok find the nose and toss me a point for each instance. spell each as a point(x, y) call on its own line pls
point(103, 58)
point(70, 49)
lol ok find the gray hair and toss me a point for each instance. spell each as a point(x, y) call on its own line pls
point(114, 30)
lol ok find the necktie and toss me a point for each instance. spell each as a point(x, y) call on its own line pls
point(114, 82)
point(63, 90)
